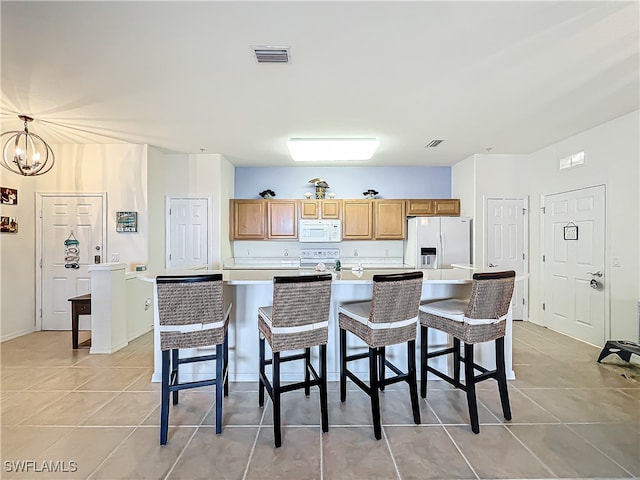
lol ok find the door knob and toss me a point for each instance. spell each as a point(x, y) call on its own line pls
point(595, 274)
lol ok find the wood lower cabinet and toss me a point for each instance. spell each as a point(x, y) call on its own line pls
point(316, 209)
point(389, 220)
point(248, 218)
point(357, 219)
point(282, 219)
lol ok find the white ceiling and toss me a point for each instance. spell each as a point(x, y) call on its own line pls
point(510, 76)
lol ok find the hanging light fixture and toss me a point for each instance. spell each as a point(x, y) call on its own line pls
point(26, 153)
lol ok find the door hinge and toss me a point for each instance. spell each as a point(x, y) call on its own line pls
point(523, 301)
point(41, 264)
point(524, 211)
point(543, 258)
point(169, 211)
point(169, 257)
point(543, 306)
point(40, 313)
point(523, 257)
point(544, 209)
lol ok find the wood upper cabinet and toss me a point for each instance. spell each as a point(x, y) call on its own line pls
point(448, 207)
point(282, 219)
point(357, 219)
point(418, 207)
point(314, 209)
point(433, 207)
point(389, 220)
point(248, 219)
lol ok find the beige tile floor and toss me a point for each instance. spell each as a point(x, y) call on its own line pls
point(96, 416)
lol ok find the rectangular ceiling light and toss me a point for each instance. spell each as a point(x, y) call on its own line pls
point(332, 149)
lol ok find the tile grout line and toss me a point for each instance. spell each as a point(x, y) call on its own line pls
point(393, 459)
point(457, 447)
point(253, 447)
point(188, 442)
point(598, 449)
point(110, 454)
point(532, 453)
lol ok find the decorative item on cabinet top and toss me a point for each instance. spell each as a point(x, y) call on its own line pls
point(267, 193)
point(321, 187)
point(371, 193)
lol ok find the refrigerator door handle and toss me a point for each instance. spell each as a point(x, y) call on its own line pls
point(440, 251)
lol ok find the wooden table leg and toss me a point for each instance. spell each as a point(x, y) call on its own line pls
point(74, 325)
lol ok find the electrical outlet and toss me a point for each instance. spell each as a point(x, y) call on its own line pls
point(147, 304)
point(286, 252)
point(115, 257)
point(355, 253)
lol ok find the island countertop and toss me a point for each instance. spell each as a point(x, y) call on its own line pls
point(344, 276)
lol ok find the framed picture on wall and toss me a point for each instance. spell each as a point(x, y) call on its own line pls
point(8, 225)
point(126, 221)
point(8, 196)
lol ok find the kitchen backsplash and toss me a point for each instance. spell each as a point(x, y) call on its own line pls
point(378, 251)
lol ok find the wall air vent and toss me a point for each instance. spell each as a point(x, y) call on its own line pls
point(271, 54)
point(433, 143)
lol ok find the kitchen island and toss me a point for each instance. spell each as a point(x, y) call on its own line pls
point(249, 289)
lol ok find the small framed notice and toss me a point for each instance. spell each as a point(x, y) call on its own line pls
point(126, 222)
point(571, 232)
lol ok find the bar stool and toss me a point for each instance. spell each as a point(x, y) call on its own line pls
point(389, 318)
point(482, 318)
point(298, 319)
point(192, 315)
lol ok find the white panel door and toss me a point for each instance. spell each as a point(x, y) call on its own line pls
point(572, 306)
point(65, 217)
point(505, 241)
point(188, 232)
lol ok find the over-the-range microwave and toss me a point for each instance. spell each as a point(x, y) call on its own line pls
point(320, 231)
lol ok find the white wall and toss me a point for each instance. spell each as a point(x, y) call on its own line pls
point(118, 170)
point(209, 175)
point(612, 158)
point(486, 176)
point(156, 184)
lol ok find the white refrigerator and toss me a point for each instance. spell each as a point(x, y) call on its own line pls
point(437, 242)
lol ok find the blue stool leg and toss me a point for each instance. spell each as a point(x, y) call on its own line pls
point(164, 407)
point(373, 387)
point(219, 387)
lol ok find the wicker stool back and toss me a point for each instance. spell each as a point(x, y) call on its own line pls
point(482, 319)
point(191, 314)
point(298, 319)
point(392, 319)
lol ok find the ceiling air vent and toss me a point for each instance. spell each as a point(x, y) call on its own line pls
point(433, 143)
point(271, 54)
